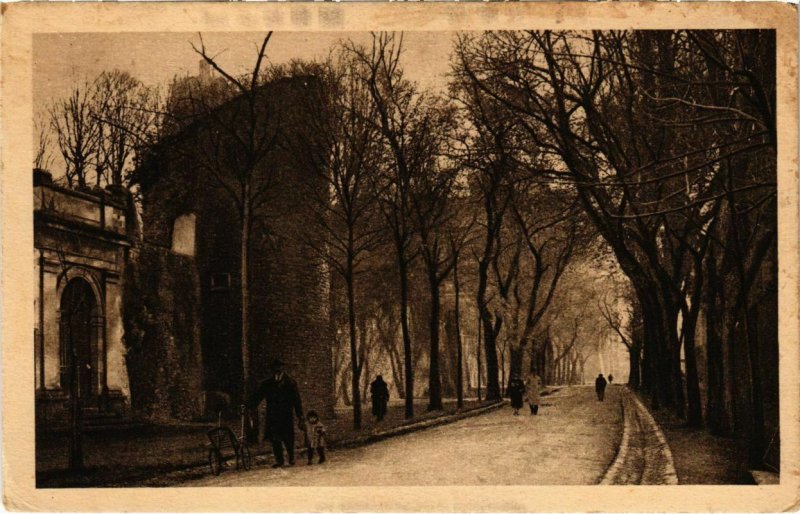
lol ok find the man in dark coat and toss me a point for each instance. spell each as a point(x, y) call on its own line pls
point(600, 387)
point(380, 397)
point(282, 397)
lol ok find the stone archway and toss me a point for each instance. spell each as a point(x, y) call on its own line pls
point(78, 337)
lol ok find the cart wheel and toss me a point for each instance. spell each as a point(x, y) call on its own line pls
point(245, 456)
point(215, 461)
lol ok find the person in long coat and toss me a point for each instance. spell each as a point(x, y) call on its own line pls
point(532, 385)
point(516, 390)
point(283, 399)
point(600, 387)
point(379, 391)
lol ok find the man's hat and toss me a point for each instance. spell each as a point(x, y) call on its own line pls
point(277, 363)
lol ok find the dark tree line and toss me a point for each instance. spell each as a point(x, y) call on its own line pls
point(669, 141)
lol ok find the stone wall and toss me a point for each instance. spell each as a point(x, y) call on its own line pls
point(290, 314)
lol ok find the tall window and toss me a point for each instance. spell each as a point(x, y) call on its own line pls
point(183, 235)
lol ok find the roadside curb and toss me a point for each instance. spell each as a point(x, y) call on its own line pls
point(414, 427)
point(668, 474)
point(614, 471)
point(429, 423)
point(654, 458)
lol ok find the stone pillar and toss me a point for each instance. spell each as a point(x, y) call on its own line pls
point(116, 370)
point(52, 343)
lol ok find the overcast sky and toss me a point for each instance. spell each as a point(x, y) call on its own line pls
point(61, 60)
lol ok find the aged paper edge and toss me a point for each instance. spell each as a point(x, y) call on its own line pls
point(21, 21)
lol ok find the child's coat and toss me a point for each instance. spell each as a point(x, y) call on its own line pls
point(315, 434)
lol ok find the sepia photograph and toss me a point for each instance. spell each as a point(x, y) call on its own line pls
point(338, 257)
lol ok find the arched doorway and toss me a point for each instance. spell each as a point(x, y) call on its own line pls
point(78, 339)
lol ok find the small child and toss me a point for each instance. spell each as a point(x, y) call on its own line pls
point(315, 436)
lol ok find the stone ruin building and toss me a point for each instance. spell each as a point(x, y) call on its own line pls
point(184, 279)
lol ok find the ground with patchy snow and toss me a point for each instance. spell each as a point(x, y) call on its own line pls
point(572, 441)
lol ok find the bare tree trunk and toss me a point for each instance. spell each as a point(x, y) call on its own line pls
point(354, 361)
point(365, 373)
point(490, 354)
point(459, 349)
point(503, 377)
point(396, 363)
point(573, 370)
point(676, 381)
point(489, 339)
point(694, 416)
point(478, 354)
point(343, 388)
point(407, 364)
point(387, 338)
point(757, 437)
point(245, 292)
point(515, 359)
point(634, 365)
point(434, 377)
point(717, 416)
point(730, 365)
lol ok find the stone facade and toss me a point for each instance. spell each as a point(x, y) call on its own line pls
point(80, 242)
point(191, 228)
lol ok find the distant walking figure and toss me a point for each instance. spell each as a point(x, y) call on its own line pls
point(282, 397)
point(610, 379)
point(600, 387)
point(380, 397)
point(516, 390)
point(532, 384)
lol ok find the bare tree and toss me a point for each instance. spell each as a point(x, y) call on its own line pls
point(76, 134)
point(234, 149)
point(459, 236)
point(126, 113)
point(433, 215)
point(487, 152)
point(401, 118)
point(649, 126)
point(627, 330)
point(551, 228)
point(42, 158)
point(343, 146)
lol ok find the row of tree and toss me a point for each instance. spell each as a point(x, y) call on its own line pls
point(450, 183)
point(98, 129)
point(663, 143)
point(669, 140)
